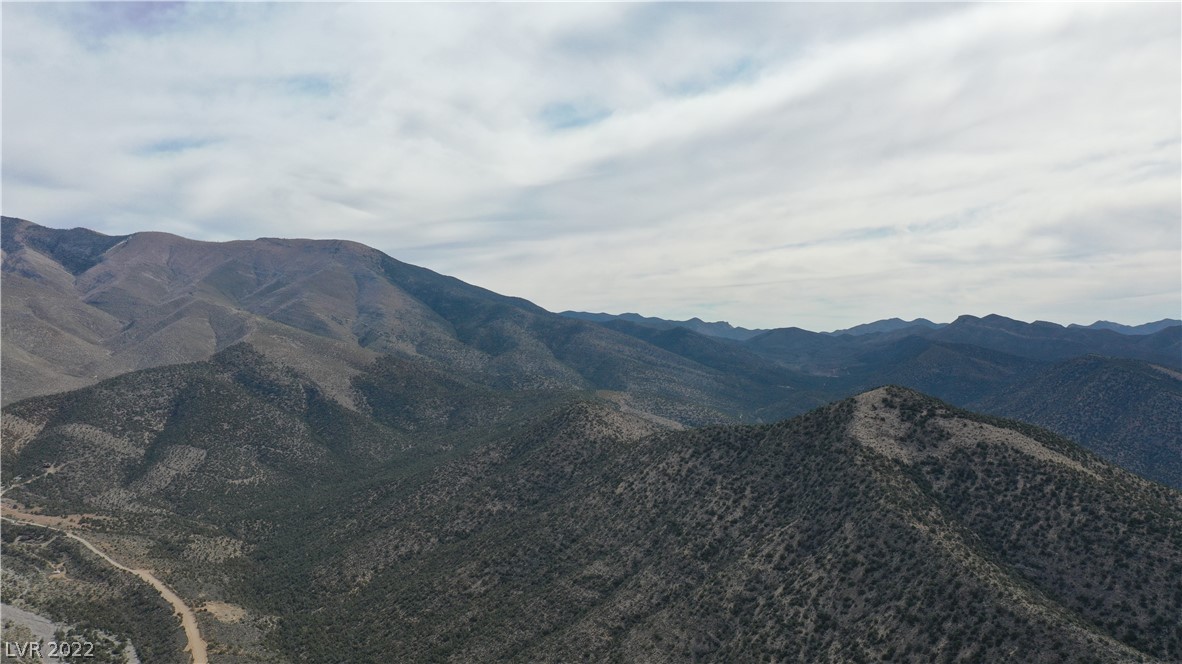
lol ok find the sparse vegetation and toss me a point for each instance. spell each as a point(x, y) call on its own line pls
point(426, 471)
point(889, 528)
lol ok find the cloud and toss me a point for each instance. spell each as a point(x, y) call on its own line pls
point(770, 164)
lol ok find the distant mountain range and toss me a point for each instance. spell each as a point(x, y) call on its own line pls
point(889, 325)
point(1144, 328)
point(725, 330)
point(344, 448)
point(722, 330)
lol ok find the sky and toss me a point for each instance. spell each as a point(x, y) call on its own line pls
point(772, 165)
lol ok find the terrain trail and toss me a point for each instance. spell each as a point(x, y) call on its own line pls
point(197, 645)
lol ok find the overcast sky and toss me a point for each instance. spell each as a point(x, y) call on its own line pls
point(765, 164)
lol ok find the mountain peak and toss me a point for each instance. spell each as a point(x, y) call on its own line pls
point(909, 426)
point(887, 325)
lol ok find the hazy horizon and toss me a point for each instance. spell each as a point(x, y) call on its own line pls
point(767, 165)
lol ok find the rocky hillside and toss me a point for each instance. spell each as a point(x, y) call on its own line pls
point(496, 525)
point(889, 527)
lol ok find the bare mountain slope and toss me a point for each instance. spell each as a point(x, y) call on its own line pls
point(327, 308)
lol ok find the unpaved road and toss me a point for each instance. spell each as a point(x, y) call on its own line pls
point(197, 645)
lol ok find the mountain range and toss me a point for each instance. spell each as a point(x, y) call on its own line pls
point(340, 457)
point(81, 306)
point(1144, 328)
point(725, 330)
point(721, 329)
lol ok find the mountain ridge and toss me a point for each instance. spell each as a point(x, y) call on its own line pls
point(721, 329)
point(1144, 328)
point(328, 307)
point(333, 309)
point(725, 330)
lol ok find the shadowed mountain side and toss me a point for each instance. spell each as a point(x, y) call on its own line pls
point(769, 384)
point(1045, 342)
point(910, 356)
point(958, 373)
point(802, 350)
point(1126, 411)
point(1129, 419)
point(1049, 341)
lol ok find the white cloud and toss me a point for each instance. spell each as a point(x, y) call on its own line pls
point(789, 164)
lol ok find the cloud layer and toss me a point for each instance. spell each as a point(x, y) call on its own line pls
point(767, 164)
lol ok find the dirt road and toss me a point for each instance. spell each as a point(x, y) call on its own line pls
point(197, 645)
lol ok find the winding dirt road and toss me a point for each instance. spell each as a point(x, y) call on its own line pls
point(197, 645)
